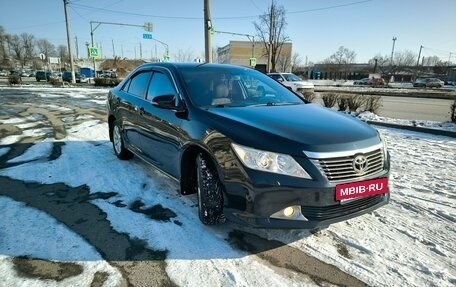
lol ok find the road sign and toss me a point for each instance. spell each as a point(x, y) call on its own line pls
point(147, 36)
point(253, 62)
point(94, 52)
point(54, 60)
point(165, 58)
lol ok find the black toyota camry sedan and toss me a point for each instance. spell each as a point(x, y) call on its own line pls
point(252, 150)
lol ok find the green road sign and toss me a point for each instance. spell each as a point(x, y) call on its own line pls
point(94, 52)
point(147, 36)
point(253, 62)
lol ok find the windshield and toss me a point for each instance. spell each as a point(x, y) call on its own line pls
point(228, 86)
point(291, 78)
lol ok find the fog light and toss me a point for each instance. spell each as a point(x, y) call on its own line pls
point(289, 211)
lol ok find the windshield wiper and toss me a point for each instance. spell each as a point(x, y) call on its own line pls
point(273, 104)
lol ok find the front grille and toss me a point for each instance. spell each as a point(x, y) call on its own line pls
point(328, 212)
point(341, 168)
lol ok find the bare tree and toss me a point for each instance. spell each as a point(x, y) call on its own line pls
point(3, 52)
point(382, 63)
point(296, 61)
point(283, 62)
point(271, 30)
point(431, 61)
point(341, 60)
point(184, 56)
point(28, 44)
point(404, 59)
point(46, 47)
point(15, 44)
point(441, 68)
point(63, 54)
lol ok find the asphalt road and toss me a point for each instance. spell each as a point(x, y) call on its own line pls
point(409, 108)
point(416, 108)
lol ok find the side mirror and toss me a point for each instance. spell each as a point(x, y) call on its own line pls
point(165, 101)
point(280, 80)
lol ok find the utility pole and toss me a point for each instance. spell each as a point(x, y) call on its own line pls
point(392, 54)
point(207, 31)
point(418, 61)
point(70, 51)
point(140, 51)
point(77, 47)
point(93, 59)
point(113, 49)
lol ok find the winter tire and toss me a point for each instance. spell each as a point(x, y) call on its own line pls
point(118, 143)
point(210, 193)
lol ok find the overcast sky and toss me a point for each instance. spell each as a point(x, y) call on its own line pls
point(316, 28)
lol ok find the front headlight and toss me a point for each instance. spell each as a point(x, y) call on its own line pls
point(269, 161)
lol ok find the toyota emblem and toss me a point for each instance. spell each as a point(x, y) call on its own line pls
point(360, 164)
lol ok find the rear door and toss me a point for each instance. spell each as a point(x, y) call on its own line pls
point(131, 107)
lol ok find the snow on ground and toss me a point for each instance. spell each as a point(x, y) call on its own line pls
point(409, 242)
point(447, 126)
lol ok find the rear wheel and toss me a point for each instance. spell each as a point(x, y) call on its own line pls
point(118, 143)
point(210, 193)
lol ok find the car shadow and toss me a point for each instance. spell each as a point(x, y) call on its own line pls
point(139, 221)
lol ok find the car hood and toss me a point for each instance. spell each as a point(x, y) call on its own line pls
point(293, 129)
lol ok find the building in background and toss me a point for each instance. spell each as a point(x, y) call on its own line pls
point(240, 52)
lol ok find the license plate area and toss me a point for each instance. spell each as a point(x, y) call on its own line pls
point(351, 191)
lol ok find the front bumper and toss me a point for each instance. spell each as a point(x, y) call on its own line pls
point(317, 216)
point(252, 197)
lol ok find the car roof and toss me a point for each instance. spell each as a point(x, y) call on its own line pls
point(191, 65)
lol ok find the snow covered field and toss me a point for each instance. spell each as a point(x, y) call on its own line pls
point(70, 201)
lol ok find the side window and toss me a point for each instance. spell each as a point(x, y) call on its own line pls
point(160, 85)
point(275, 77)
point(138, 84)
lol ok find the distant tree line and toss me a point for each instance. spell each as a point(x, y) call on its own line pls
point(24, 49)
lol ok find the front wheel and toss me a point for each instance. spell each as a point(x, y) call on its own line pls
point(210, 193)
point(118, 143)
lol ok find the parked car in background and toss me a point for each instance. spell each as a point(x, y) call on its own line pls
point(108, 75)
point(42, 75)
point(362, 82)
point(4, 73)
point(292, 81)
point(247, 146)
point(428, 83)
point(66, 77)
point(370, 82)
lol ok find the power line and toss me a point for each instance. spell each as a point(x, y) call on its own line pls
point(439, 51)
point(330, 7)
point(213, 18)
point(135, 14)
